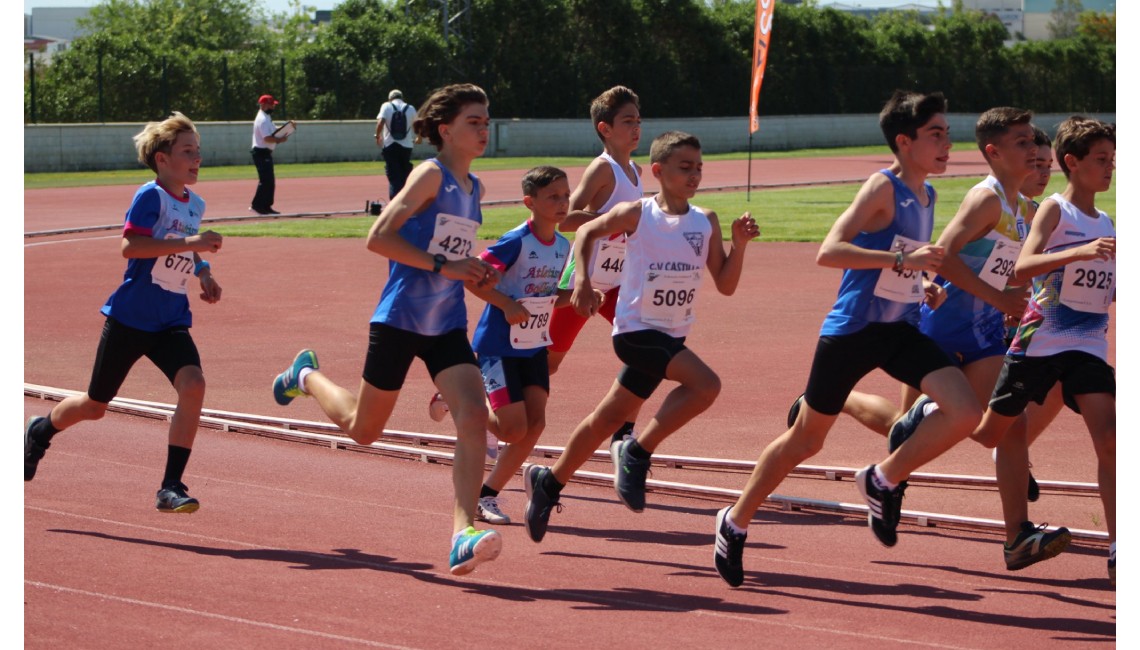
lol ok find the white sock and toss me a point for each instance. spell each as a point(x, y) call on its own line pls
point(881, 481)
point(301, 379)
point(733, 527)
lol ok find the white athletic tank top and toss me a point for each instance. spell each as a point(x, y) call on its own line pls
point(665, 261)
point(612, 256)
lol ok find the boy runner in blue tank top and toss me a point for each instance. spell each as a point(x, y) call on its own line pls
point(882, 241)
point(513, 333)
point(149, 314)
point(671, 244)
point(427, 232)
point(1070, 253)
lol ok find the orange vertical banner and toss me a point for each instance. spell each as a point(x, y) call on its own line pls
point(764, 10)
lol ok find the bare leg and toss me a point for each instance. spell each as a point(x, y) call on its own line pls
point(462, 388)
point(512, 457)
point(875, 412)
point(617, 407)
point(361, 416)
point(699, 388)
point(190, 385)
point(1012, 476)
point(1099, 413)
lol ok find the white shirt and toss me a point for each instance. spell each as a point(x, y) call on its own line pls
point(386, 110)
point(263, 126)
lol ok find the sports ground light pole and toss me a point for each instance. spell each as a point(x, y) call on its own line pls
point(763, 31)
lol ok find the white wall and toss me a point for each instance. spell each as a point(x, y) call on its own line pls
point(82, 147)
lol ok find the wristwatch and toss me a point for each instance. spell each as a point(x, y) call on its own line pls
point(440, 260)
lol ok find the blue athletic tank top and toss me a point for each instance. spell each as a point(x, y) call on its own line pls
point(856, 304)
point(418, 300)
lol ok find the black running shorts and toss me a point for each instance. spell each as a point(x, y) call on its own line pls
point(898, 348)
point(1031, 378)
point(391, 351)
point(646, 354)
point(121, 346)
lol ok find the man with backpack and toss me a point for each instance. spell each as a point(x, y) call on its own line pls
point(395, 138)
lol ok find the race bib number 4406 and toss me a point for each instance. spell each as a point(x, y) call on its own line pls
point(608, 264)
point(454, 236)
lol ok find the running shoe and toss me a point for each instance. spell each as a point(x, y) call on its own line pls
point(488, 510)
point(906, 425)
point(729, 551)
point(629, 475)
point(1035, 544)
point(794, 411)
point(884, 506)
point(472, 548)
point(1033, 492)
point(285, 386)
point(623, 432)
point(172, 497)
point(538, 502)
point(33, 451)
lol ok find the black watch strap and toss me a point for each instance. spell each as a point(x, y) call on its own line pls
point(440, 260)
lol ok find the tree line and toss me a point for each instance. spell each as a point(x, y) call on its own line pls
point(211, 59)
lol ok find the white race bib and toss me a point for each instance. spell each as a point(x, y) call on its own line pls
point(904, 285)
point(608, 263)
point(998, 268)
point(454, 236)
point(533, 332)
point(173, 272)
point(667, 297)
point(1089, 285)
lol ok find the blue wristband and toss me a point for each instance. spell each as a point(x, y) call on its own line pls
point(200, 266)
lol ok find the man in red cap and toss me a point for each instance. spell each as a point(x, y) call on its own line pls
point(265, 138)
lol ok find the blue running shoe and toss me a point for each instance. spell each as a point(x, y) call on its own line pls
point(904, 428)
point(472, 548)
point(285, 386)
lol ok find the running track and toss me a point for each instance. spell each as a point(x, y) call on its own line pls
point(302, 546)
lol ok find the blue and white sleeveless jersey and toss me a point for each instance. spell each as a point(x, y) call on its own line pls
point(418, 300)
point(963, 318)
point(141, 301)
point(857, 305)
point(530, 269)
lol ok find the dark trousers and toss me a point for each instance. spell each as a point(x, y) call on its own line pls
point(266, 184)
point(397, 165)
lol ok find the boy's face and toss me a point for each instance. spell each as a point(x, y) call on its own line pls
point(1015, 150)
point(469, 131)
point(550, 204)
point(625, 132)
point(1035, 185)
point(680, 173)
point(1094, 171)
point(930, 148)
point(180, 166)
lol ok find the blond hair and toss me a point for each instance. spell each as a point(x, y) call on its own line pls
point(160, 136)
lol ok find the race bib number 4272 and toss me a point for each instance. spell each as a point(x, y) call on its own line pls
point(454, 236)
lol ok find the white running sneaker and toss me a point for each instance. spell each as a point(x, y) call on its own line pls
point(488, 511)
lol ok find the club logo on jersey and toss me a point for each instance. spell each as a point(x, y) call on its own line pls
point(650, 277)
point(533, 255)
point(696, 240)
point(906, 203)
point(450, 188)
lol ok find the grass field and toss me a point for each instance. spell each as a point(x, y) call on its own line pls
point(800, 214)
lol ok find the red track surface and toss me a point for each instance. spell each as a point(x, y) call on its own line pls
point(302, 546)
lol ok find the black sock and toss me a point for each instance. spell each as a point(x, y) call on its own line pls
point(637, 451)
point(551, 486)
point(488, 492)
point(176, 458)
point(623, 431)
point(42, 431)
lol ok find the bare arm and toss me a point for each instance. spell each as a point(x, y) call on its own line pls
point(384, 236)
point(725, 269)
point(871, 211)
point(145, 246)
point(979, 213)
point(1033, 261)
point(596, 186)
point(624, 217)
